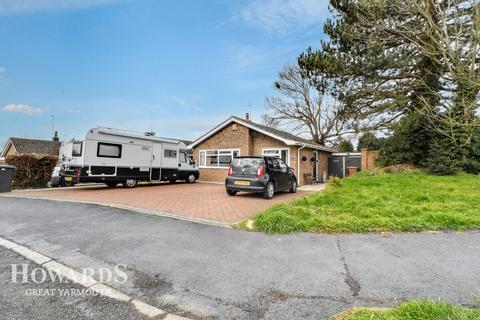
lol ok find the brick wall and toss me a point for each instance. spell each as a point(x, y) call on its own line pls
point(234, 136)
point(11, 151)
point(369, 159)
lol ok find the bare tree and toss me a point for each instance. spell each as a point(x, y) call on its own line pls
point(305, 109)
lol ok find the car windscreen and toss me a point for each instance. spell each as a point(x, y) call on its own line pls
point(246, 166)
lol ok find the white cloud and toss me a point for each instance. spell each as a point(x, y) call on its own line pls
point(284, 15)
point(12, 6)
point(22, 108)
point(2, 71)
point(244, 56)
point(184, 103)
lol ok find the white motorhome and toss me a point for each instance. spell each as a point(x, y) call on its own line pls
point(115, 156)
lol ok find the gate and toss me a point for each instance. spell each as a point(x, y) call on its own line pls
point(339, 162)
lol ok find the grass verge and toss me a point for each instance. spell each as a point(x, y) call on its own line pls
point(384, 202)
point(417, 310)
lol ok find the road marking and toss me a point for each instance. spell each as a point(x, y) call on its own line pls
point(7, 244)
point(147, 309)
point(31, 255)
point(110, 292)
point(86, 281)
point(70, 274)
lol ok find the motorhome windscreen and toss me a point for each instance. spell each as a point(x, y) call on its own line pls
point(77, 149)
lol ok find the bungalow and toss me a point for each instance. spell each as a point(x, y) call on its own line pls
point(242, 137)
point(18, 146)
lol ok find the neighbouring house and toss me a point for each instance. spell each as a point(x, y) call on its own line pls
point(18, 146)
point(242, 137)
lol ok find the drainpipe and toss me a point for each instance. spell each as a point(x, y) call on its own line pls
point(298, 161)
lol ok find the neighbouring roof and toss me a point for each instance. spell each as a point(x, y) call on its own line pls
point(287, 138)
point(23, 146)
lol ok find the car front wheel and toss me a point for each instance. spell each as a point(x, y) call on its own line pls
point(269, 191)
point(293, 189)
point(231, 193)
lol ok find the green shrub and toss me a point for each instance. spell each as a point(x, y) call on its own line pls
point(334, 181)
point(32, 170)
point(408, 143)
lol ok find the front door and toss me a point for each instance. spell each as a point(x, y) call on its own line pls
point(155, 170)
point(315, 165)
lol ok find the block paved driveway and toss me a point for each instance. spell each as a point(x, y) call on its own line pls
point(200, 201)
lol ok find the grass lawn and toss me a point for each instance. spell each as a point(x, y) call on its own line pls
point(418, 310)
point(384, 202)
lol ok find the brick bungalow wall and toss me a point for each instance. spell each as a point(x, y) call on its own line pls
point(11, 151)
point(250, 142)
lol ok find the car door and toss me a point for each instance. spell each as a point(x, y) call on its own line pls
point(284, 175)
point(276, 173)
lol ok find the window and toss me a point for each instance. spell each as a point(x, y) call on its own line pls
point(283, 166)
point(283, 154)
point(217, 158)
point(109, 150)
point(184, 158)
point(77, 149)
point(169, 153)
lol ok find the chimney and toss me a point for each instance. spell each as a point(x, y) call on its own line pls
point(247, 117)
point(55, 137)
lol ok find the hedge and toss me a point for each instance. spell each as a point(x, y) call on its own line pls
point(32, 170)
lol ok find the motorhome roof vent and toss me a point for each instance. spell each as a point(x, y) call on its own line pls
point(150, 134)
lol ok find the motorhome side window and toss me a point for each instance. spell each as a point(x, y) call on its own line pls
point(170, 153)
point(77, 149)
point(109, 150)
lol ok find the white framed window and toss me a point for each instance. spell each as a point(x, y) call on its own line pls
point(217, 158)
point(282, 153)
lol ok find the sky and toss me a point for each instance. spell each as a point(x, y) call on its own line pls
point(175, 67)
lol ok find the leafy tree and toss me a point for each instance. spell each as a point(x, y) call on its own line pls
point(303, 108)
point(345, 146)
point(417, 61)
point(369, 141)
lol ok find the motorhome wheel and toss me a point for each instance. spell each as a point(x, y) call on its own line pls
point(130, 183)
point(191, 178)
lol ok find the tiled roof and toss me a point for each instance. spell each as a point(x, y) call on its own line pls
point(36, 146)
point(280, 133)
point(288, 138)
